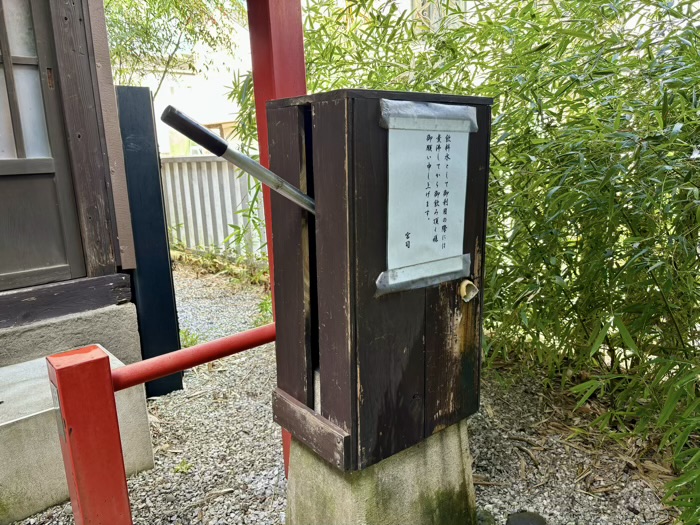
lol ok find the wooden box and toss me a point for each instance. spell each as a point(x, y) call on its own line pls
point(361, 377)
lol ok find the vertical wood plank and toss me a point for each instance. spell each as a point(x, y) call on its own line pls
point(201, 192)
point(390, 329)
point(90, 171)
point(214, 213)
point(244, 185)
point(334, 260)
point(189, 202)
point(43, 34)
point(290, 234)
point(453, 342)
point(217, 177)
point(115, 157)
point(232, 182)
point(186, 211)
point(165, 173)
point(235, 200)
point(220, 172)
point(172, 199)
point(199, 170)
point(101, 126)
point(192, 184)
point(177, 231)
point(153, 280)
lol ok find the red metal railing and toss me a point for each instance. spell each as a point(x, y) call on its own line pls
point(166, 364)
point(89, 430)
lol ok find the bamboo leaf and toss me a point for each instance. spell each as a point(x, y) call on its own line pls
point(625, 335)
point(599, 338)
point(670, 405)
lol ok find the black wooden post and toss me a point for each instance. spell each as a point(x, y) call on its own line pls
point(154, 294)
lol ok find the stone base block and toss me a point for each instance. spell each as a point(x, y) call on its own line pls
point(32, 477)
point(114, 327)
point(430, 483)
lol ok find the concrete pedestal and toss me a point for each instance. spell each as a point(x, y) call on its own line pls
point(430, 483)
point(114, 327)
point(32, 476)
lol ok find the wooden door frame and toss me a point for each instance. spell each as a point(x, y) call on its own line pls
point(55, 164)
point(85, 136)
point(53, 105)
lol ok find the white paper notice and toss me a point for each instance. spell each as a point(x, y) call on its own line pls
point(428, 154)
point(427, 195)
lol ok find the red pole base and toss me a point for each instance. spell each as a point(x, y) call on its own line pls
point(286, 448)
point(81, 383)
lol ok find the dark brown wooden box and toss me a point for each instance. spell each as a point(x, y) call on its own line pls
point(391, 370)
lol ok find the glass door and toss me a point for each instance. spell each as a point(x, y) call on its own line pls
point(39, 232)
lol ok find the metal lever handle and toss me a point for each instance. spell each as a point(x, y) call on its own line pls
point(194, 131)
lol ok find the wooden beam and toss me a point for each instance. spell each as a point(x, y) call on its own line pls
point(27, 166)
point(291, 229)
point(330, 442)
point(335, 274)
point(29, 305)
point(26, 61)
point(103, 83)
point(453, 342)
point(87, 157)
point(46, 274)
point(154, 293)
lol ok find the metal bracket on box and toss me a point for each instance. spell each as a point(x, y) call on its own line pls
point(422, 275)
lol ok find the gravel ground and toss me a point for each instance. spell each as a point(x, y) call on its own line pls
point(218, 453)
point(523, 460)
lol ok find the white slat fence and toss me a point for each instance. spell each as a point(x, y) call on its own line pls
point(203, 198)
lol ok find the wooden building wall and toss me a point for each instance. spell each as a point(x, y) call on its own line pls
point(63, 206)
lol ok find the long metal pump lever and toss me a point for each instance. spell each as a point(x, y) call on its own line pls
point(194, 131)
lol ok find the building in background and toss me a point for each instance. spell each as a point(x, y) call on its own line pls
point(202, 94)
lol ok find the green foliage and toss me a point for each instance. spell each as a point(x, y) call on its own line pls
point(264, 311)
point(239, 269)
point(161, 36)
point(240, 239)
point(594, 204)
point(184, 467)
point(189, 338)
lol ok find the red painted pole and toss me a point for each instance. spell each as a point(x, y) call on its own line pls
point(279, 71)
point(166, 364)
point(88, 428)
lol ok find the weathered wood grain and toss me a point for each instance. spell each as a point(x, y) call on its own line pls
point(454, 328)
point(29, 305)
point(85, 146)
point(356, 94)
point(335, 260)
point(290, 234)
point(65, 185)
point(397, 368)
point(327, 440)
point(103, 85)
point(389, 329)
